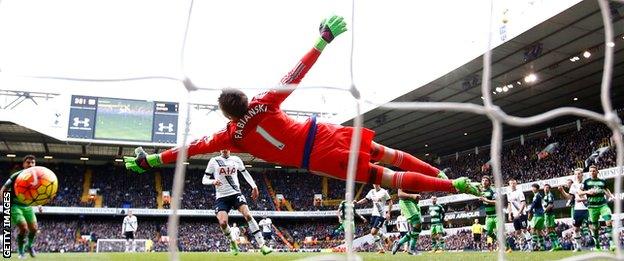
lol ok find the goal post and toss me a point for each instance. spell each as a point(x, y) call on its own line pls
point(119, 245)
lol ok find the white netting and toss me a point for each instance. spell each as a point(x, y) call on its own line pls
point(119, 245)
point(493, 112)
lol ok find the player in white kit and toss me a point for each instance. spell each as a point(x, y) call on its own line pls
point(402, 227)
point(128, 228)
point(267, 229)
point(516, 209)
point(235, 232)
point(222, 172)
point(579, 210)
point(380, 199)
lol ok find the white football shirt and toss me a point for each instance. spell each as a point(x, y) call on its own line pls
point(528, 236)
point(379, 199)
point(401, 224)
point(226, 170)
point(575, 189)
point(130, 224)
point(235, 231)
point(266, 225)
point(515, 199)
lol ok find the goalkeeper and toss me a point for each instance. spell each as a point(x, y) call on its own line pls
point(261, 128)
point(22, 215)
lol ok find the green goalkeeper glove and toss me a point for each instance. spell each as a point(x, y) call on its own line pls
point(329, 29)
point(142, 162)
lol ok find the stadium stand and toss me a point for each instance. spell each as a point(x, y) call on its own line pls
point(202, 235)
point(120, 188)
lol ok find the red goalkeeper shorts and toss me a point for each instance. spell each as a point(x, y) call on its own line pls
point(330, 152)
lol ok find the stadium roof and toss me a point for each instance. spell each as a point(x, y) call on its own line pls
point(549, 47)
point(560, 82)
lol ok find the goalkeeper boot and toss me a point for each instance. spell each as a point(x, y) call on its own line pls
point(234, 248)
point(611, 247)
point(463, 185)
point(265, 250)
point(395, 247)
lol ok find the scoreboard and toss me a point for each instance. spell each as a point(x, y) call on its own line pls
point(112, 119)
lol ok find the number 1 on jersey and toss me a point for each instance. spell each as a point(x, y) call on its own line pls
point(278, 144)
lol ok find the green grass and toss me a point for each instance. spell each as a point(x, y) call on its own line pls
point(293, 256)
point(126, 127)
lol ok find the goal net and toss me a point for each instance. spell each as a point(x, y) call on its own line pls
point(119, 245)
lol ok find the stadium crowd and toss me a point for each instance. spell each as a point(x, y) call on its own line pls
point(137, 190)
point(522, 163)
point(73, 234)
point(56, 234)
point(120, 188)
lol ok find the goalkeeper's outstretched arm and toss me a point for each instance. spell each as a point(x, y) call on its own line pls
point(143, 161)
point(329, 29)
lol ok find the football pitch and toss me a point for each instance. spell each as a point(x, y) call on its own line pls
point(458, 256)
point(125, 127)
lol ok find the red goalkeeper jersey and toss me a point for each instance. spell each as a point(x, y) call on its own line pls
point(265, 131)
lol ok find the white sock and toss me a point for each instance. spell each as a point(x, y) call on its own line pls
point(255, 230)
point(133, 245)
point(577, 240)
point(127, 245)
point(227, 233)
point(377, 239)
point(529, 240)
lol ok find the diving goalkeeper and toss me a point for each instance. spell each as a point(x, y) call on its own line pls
point(261, 128)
